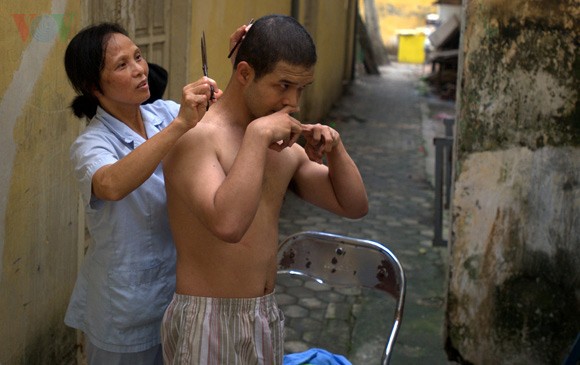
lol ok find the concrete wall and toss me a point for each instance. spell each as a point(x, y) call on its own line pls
point(42, 238)
point(514, 290)
point(38, 200)
point(446, 12)
point(331, 24)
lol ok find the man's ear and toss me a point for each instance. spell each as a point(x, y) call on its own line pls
point(244, 73)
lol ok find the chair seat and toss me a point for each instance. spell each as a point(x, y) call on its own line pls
point(341, 261)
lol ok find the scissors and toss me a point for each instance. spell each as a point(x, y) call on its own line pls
point(204, 66)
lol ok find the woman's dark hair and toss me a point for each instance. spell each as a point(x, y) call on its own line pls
point(275, 38)
point(84, 60)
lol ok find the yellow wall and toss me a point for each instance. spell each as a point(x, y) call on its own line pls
point(38, 200)
point(331, 23)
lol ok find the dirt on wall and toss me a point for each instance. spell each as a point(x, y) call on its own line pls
point(520, 75)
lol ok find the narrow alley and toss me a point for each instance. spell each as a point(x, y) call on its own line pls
point(387, 125)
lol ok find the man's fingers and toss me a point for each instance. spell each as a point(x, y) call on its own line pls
point(327, 141)
point(277, 146)
point(313, 155)
point(293, 138)
point(288, 109)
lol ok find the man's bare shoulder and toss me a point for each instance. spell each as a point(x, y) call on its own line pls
point(201, 130)
point(194, 142)
point(202, 135)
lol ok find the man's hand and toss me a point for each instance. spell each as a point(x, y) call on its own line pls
point(280, 128)
point(320, 139)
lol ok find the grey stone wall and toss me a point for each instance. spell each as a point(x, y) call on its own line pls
point(514, 287)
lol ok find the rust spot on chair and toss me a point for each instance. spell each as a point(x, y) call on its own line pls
point(287, 259)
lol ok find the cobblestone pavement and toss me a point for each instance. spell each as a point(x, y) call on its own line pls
point(381, 120)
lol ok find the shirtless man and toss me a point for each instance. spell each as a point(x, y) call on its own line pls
point(226, 180)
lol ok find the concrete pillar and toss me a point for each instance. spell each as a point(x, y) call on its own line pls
point(514, 285)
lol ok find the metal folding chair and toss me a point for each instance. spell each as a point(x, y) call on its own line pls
point(345, 261)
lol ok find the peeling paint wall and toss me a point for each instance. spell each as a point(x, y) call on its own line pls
point(522, 68)
point(514, 289)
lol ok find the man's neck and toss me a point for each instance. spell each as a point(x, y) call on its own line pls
point(231, 109)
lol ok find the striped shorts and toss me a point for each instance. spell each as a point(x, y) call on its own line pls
point(216, 331)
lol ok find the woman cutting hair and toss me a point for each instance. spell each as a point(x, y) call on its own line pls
point(128, 275)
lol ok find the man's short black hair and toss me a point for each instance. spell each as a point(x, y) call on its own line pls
point(275, 38)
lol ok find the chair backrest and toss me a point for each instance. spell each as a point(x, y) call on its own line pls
point(345, 261)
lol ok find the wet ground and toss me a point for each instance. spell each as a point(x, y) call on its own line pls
point(387, 123)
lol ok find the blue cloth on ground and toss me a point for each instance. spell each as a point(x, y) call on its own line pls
point(315, 356)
